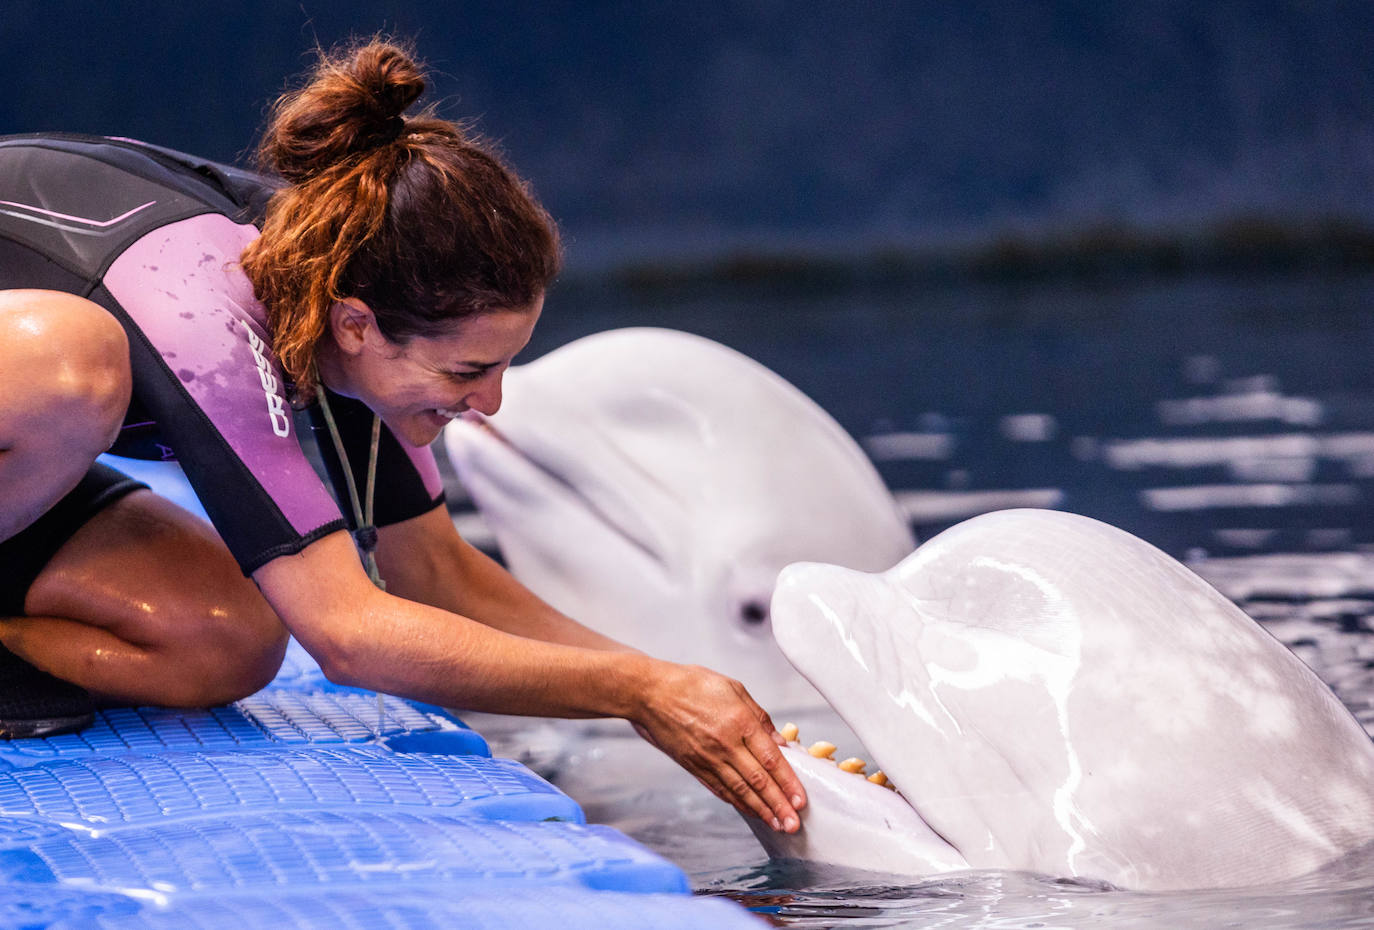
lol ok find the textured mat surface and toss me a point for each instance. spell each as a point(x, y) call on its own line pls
point(273, 716)
point(105, 793)
point(304, 849)
point(469, 907)
point(305, 806)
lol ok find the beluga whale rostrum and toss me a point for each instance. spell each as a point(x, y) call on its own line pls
point(1052, 694)
point(651, 484)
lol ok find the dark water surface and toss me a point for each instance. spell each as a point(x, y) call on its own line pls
point(1253, 391)
point(1227, 419)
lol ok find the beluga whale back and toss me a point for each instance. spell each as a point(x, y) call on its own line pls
point(1052, 694)
point(651, 484)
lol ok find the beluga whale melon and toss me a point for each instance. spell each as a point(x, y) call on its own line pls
point(651, 484)
point(1049, 693)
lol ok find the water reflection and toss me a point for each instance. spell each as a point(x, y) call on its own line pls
point(1018, 900)
point(1191, 462)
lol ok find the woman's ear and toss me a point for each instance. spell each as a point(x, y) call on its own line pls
point(349, 322)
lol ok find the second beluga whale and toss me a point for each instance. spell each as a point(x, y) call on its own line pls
point(1052, 694)
point(651, 484)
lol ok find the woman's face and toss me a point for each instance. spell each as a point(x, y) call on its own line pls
point(418, 386)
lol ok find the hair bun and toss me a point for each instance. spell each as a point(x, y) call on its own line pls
point(353, 102)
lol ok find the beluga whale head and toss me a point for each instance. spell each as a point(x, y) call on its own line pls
point(652, 484)
point(1049, 693)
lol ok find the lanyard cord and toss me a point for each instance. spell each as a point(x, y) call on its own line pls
point(366, 534)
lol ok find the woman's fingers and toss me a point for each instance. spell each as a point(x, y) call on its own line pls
point(773, 779)
point(744, 787)
point(756, 777)
point(776, 784)
point(733, 790)
point(715, 730)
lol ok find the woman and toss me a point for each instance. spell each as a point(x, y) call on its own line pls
point(399, 270)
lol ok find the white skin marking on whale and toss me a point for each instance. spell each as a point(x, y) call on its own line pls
point(846, 640)
point(1058, 680)
point(1260, 792)
point(916, 705)
point(1000, 658)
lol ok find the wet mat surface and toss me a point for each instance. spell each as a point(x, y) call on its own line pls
point(272, 717)
point(105, 793)
point(308, 805)
point(298, 850)
point(476, 907)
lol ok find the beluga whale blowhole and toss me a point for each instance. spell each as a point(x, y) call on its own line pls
point(1052, 694)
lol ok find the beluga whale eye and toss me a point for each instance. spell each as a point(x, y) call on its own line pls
point(754, 613)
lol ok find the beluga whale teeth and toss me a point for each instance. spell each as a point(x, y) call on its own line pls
point(851, 819)
point(1057, 696)
point(789, 732)
point(822, 749)
point(853, 764)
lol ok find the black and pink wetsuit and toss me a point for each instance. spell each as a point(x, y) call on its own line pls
point(154, 237)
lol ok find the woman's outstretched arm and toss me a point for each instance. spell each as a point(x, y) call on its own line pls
point(366, 637)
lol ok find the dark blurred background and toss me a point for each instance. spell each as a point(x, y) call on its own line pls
point(1114, 257)
point(659, 129)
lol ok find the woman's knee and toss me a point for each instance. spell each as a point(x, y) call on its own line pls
point(155, 578)
point(218, 639)
point(65, 368)
point(237, 653)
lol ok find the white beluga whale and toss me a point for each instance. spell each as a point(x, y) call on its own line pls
point(651, 484)
point(1051, 694)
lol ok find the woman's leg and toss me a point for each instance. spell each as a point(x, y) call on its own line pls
point(143, 603)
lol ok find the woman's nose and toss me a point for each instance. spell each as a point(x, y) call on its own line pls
point(486, 396)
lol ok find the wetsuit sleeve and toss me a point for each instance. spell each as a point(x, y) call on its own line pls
point(204, 370)
point(408, 481)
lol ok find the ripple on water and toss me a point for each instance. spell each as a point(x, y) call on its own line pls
point(802, 897)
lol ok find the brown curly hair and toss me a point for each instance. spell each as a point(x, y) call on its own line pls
point(412, 215)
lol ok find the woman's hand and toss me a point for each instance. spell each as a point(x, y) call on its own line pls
point(710, 726)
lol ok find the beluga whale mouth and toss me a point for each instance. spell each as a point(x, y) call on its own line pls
point(651, 484)
point(1052, 694)
point(854, 818)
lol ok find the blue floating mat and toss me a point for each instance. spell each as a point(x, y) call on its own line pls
point(33, 906)
point(304, 806)
point(471, 908)
point(165, 478)
point(269, 718)
point(109, 793)
point(306, 849)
